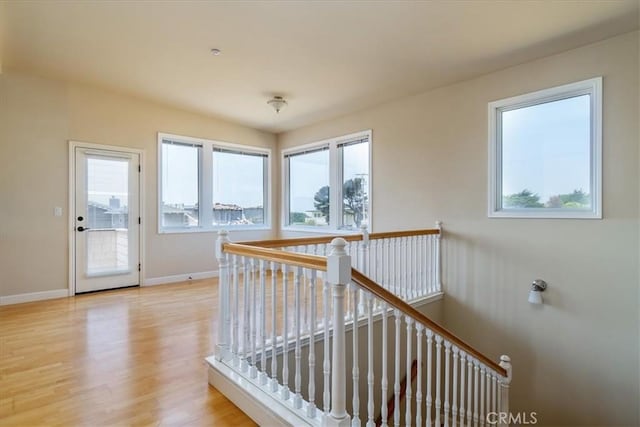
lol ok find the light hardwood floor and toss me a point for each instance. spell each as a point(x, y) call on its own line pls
point(116, 358)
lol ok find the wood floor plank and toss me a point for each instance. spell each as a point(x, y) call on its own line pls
point(131, 357)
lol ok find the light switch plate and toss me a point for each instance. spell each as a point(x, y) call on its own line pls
point(57, 211)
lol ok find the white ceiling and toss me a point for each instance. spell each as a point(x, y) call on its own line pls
point(326, 58)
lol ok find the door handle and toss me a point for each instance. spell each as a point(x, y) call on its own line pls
point(81, 228)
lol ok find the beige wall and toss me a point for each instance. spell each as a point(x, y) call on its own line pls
point(37, 119)
point(3, 27)
point(576, 357)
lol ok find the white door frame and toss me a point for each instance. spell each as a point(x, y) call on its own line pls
point(71, 208)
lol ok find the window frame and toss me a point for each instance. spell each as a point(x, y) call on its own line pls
point(205, 184)
point(592, 87)
point(335, 183)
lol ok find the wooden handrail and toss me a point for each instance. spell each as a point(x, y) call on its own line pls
point(406, 233)
point(401, 305)
point(303, 241)
point(273, 255)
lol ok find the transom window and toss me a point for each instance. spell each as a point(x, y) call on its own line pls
point(230, 180)
point(327, 184)
point(545, 153)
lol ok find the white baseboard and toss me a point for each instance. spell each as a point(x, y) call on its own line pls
point(34, 296)
point(263, 407)
point(152, 281)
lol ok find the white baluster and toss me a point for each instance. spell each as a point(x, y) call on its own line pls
point(274, 359)
point(438, 378)
point(396, 384)
point(476, 385)
point(469, 388)
point(447, 373)
point(394, 283)
point(432, 261)
point(387, 266)
point(285, 333)
point(263, 325)
point(236, 313)
point(305, 304)
point(412, 265)
point(311, 407)
point(429, 402)
point(419, 329)
point(378, 260)
point(223, 346)
point(339, 275)
point(355, 421)
point(384, 384)
point(326, 363)
point(427, 264)
point(365, 266)
point(419, 266)
point(483, 374)
point(505, 362)
point(454, 392)
point(439, 257)
point(404, 268)
point(253, 372)
point(297, 398)
point(408, 391)
point(494, 387)
point(488, 394)
point(246, 320)
point(370, 377)
point(463, 365)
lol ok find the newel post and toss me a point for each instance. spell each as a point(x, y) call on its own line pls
point(338, 276)
point(505, 362)
point(439, 257)
point(224, 320)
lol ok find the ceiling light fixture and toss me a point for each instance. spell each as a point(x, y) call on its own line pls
point(215, 51)
point(278, 103)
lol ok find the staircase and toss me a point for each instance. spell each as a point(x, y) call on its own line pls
point(322, 331)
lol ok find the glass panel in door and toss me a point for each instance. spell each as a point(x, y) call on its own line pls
point(107, 216)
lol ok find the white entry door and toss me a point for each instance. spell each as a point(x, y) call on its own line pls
point(107, 219)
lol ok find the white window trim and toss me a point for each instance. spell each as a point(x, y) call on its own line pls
point(592, 87)
point(335, 177)
point(205, 185)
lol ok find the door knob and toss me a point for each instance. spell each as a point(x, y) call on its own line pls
point(81, 228)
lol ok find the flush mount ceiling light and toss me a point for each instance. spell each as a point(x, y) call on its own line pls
point(278, 103)
point(215, 51)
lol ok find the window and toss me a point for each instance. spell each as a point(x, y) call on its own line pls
point(232, 180)
point(327, 184)
point(239, 187)
point(180, 184)
point(545, 153)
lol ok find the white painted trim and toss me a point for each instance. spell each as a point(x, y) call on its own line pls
point(34, 296)
point(592, 87)
point(71, 206)
point(205, 184)
point(163, 280)
point(253, 400)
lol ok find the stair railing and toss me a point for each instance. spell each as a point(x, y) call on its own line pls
point(407, 263)
point(265, 328)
